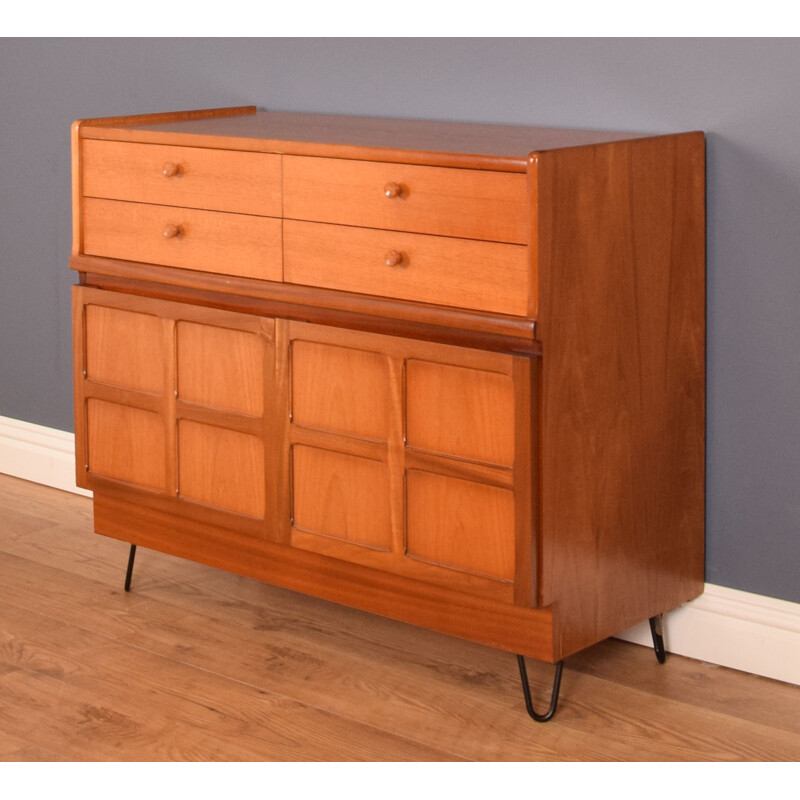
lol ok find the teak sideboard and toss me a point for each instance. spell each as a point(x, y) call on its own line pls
point(448, 373)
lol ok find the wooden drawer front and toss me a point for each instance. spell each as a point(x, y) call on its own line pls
point(217, 180)
point(433, 269)
point(209, 241)
point(448, 202)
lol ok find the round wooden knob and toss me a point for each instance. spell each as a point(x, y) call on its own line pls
point(393, 258)
point(171, 231)
point(392, 190)
point(170, 170)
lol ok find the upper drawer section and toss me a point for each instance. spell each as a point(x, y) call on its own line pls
point(193, 177)
point(464, 203)
point(189, 238)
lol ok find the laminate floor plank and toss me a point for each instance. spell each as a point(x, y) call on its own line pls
point(297, 662)
point(13, 748)
point(437, 658)
point(750, 698)
point(280, 662)
point(244, 670)
point(121, 702)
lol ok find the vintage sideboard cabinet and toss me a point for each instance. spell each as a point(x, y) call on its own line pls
point(448, 373)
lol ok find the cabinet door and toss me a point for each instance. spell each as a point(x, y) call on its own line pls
point(412, 457)
point(174, 400)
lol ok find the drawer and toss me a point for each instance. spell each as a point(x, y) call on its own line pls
point(464, 203)
point(216, 180)
point(209, 241)
point(485, 276)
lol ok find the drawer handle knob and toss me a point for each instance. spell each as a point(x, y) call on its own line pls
point(171, 170)
point(393, 258)
point(172, 231)
point(392, 190)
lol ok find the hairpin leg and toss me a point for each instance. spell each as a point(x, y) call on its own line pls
point(129, 573)
point(526, 690)
point(657, 629)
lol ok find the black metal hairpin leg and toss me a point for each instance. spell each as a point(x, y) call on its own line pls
point(129, 573)
point(526, 690)
point(657, 629)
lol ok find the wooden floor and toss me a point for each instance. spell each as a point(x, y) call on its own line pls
point(197, 664)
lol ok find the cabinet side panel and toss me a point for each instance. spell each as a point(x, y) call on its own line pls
point(622, 326)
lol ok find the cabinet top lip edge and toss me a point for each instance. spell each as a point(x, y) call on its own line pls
point(487, 145)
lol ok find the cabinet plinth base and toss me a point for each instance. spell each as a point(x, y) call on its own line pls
point(515, 629)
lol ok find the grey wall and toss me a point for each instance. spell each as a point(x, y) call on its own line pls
point(744, 93)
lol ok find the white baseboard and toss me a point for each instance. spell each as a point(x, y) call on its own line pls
point(724, 626)
point(39, 454)
point(734, 629)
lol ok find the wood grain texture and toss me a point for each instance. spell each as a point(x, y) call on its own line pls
point(562, 496)
point(460, 524)
point(221, 468)
point(199, 664)
point(340, 389)
point(312, 304)
point(220, 367)
point(215, 452)
point(125, 348)
point(215, 180)
point(470, 204)
point(527, 576)
point(79, 372)
point(483, 276)
point(126, 443)
point(134, 517)
point(461, 412)
point(467, 145)
point(76, 148)
point(76, 187)
point(477, 585)
point(208, 417)
point(428, 416)
point(161, 117)
point(622, 305)
point(209, 241)
point(328, 491)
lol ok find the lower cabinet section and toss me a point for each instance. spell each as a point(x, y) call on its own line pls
point(392, 455)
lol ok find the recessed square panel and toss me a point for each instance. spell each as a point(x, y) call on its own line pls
point(460, 524)
point(339, 495)
point(461, 412)
point(221, 468)
point(221, 368)
point(340, 389)
point(126, 444)
point(125, 348)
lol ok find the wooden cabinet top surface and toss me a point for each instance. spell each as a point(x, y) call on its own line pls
point(502, 147)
